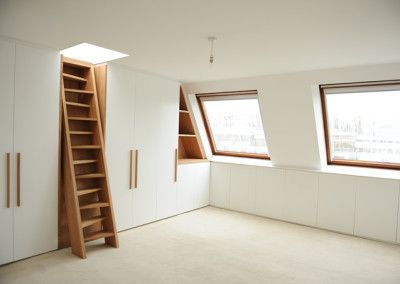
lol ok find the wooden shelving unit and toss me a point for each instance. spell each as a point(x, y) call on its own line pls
point(189, 149)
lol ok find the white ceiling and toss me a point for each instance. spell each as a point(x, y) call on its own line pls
point(254, 37)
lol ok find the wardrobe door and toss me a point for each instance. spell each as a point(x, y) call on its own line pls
point(146, 142)
point(7, 56)
point(36, 128)
point(167, 143)
point(202, 184)
point(119, 142)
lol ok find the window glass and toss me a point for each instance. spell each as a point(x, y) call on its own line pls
point(236, 126)
point(364, 126)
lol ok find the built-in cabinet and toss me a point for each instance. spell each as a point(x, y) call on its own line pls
point(29, 84)
point(355, 205)
point(142, 124)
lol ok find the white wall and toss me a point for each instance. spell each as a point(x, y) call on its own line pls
point(289, 103)
point(361, 206)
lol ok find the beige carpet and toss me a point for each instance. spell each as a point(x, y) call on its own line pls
point(212, 245)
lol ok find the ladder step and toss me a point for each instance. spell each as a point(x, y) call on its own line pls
point(94, 205)
point(87, 191)
point(82, 118)
point(77, 104)
point(85, 147)
point(99, 235)
point(81, 132)
point(89, 176)
point(76, 63)
point(90, 221)
point(82, 162)
point(77, 91)
point(74, 78)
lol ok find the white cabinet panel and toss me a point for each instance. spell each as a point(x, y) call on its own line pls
point(398, 225)
point(119, 141)
point(202, 184)
point(377, 208)
point(301, 190)
point(146, 142)
point(185, 194)
point(336, 202)
point(270, 200)
point(243, 188)
point(219, 186)
point(166, 110)
point(7, 57)
point(36, 125)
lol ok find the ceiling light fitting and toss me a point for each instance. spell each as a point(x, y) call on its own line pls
point(211, 39)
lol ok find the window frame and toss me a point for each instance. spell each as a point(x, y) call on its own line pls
point(352, 163)
point(200, 100)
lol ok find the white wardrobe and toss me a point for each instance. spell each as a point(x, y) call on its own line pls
point(29, 124)
point(142, 113)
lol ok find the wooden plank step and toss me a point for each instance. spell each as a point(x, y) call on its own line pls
point(78, 118)
point(76, 63)
point(85, 147)
point(81, 132)
point(187, 135)
point(89, 176)
point(74, 78)
point(83, 162)
point(90, 221)
point(99, 235)
point(88, 191)
point(77, 91)
point(94, 205)
point(77, 104)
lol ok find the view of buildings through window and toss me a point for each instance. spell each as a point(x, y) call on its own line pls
point(364, 126)
point(236, 125)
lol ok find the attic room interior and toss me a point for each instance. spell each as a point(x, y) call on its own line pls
point(199, 141)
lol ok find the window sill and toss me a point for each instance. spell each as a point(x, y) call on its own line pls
point(331, 169)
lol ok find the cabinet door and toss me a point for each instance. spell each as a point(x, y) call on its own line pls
point(167, 110)
point(36, 127)
point(186, 183)
point(119, 141)
point(7, 56)
point(202, 185)
point(146, 136)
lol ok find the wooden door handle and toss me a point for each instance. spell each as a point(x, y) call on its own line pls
point(136, 167)
point(18, 179)
point(176, 166)
point(130, 169)
point(8, 169)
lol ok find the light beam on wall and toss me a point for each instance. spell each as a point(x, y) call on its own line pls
point(92, 53)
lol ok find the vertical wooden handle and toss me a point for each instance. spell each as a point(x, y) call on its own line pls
point(176, 166)
point(130, 169)
point(136, 167)
point(18, 179)
point(8, 169)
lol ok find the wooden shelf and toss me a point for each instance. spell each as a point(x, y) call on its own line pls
point(189, 150)
point(191, 161)
point(83, 162)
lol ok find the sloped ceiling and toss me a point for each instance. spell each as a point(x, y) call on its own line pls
point(256, 37)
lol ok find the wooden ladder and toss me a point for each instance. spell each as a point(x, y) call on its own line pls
point(86, 186)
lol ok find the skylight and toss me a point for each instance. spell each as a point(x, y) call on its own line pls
point(91, 53)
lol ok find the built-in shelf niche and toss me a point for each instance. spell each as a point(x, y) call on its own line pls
point(189, 149)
